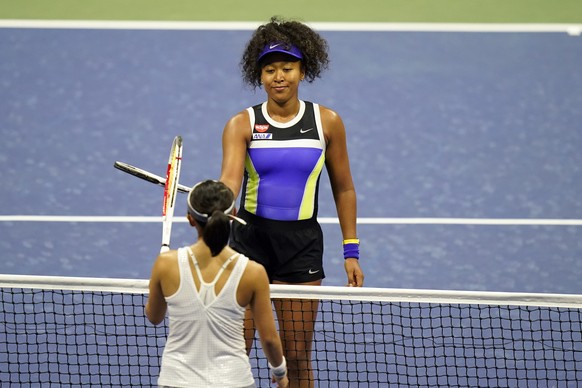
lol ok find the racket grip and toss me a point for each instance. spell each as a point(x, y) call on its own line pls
point(165, 248)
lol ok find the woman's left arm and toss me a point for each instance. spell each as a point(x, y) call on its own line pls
point(342, 185)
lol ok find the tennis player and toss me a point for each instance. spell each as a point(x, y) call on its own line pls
point(275, 151)
point(205, 288)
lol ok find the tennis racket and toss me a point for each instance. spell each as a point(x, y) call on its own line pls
point(170, 191)
point(147, 176)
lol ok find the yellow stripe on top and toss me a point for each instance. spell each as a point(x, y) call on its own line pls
point(308, 202)
point(252, 188)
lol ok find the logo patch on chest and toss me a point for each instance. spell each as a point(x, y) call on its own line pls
point(261, 127)
point(262, 136)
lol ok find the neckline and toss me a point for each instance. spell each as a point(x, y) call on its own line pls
point(279, 124)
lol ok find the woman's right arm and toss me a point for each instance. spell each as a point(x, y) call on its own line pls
point(235, 138)
point(265, 323)
point(156, 305)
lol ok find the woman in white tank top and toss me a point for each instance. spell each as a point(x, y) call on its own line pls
point(205, 288)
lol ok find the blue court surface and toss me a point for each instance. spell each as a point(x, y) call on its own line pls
point(463, 125)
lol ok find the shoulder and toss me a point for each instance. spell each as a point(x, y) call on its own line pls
point(328, 114)
point(239, 121)
point(168, 256)
point(255, 273)
point(239, 118)
point(166, 261)
point(253, 285)
point(331, 121)
point(255, 268)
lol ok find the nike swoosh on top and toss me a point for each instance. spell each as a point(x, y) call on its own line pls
point(274, 45)
point(305, 130)
point(311, 272)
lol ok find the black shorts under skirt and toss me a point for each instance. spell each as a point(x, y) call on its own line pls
point(290, 251)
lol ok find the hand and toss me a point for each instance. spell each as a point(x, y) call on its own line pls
point(354, 272)
point(283, 382)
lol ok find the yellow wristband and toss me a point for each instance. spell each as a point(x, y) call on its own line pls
point(352, 241)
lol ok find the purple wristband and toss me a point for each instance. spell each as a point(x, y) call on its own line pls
point(352, 249)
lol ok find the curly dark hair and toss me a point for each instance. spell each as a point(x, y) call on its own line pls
point(312, 45)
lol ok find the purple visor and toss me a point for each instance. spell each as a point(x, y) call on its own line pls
point(281, 48)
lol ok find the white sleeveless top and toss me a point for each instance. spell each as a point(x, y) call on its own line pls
point(205, 345)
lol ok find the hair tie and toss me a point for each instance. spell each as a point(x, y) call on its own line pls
point(204, 217)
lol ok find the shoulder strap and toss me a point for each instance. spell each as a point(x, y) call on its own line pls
point(182, 258)
point(319, 125)
point(252, 118)
point(196, 265)
point(220, 271)
point(224, 265)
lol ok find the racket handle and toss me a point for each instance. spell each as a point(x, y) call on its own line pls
point(165, 248)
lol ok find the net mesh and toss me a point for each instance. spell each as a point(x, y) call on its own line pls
point(98, 336)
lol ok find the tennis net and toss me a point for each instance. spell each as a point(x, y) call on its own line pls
point(93, 332)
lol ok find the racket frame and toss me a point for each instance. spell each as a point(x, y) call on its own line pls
point(170, 191)
point(146, 175)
